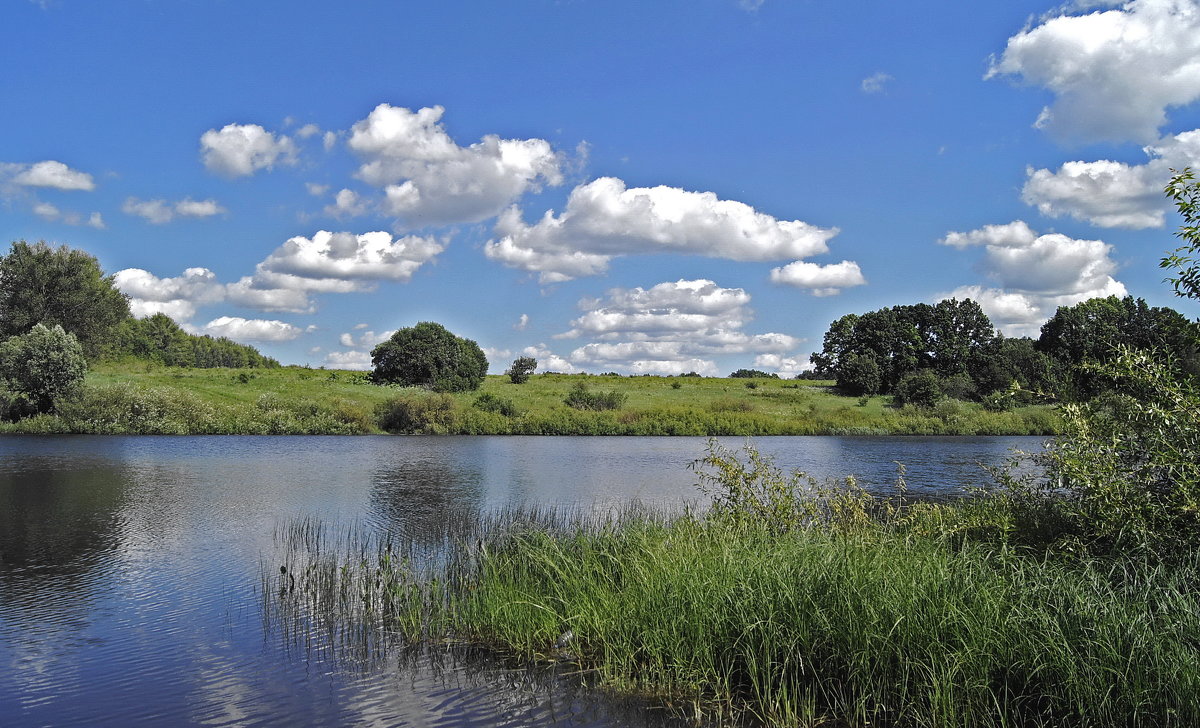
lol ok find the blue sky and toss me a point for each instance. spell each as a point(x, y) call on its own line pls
point(640, 187)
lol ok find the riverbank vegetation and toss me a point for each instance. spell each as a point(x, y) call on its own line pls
point(792, 603)
point(139, 397)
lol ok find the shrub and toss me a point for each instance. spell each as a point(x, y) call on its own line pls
point(582, 398)
point(859, 374)
point(432, 414)
point(519, 371)
point(920, 388)
point(500, 405)
point(429, 355)
point(39, 368)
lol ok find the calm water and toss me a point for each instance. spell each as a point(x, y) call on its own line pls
point(129, 566)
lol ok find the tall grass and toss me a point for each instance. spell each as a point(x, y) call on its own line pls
point(793, 603)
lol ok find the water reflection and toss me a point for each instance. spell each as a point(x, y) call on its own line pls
point(129, 566)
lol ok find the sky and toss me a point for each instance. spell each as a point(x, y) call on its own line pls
point(636, 187)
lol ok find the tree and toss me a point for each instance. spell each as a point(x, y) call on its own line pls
point(59, 286)
point(920, 388)
point(858, 375)
point(1185, 192)
point(1092, 331)
point(429, 355)
point(753, 374)
point(521, 368)
point(40, 367)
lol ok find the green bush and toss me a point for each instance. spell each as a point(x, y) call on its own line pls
point(489, 402)
point(582, 398)
point(430, 356)
point(417, 413)
point(920, 388)
point(38, 369)
point(518, 372)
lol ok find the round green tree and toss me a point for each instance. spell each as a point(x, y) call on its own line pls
point(38, 368)
point(47, 285)
point(429, 355)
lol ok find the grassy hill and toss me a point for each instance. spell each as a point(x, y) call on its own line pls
point(140, 397)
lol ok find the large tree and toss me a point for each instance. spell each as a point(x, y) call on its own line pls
point(429, 355)
point(1092, 331)
point(59, 286)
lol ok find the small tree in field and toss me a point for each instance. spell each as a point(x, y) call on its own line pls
point(39, 368)
point(429, 355)
point(521, 368)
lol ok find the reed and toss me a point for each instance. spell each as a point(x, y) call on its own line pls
point(823, 607)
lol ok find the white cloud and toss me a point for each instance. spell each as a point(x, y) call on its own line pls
point(1035, 273)
point(875, 83)
point(307, 131)
point(822, 280)
point(428, 179)
point(669, 328)
point(347, 203)
point(315, 189)
point(1114, 73)
point(346, 257)
point(356, 360)
point(548, 361)
point(176, 297)
point(604, 219)
point(46, 211)
point(47, 174)
point(522, 323)
point(240, 329)
point(159, 212)
point(51, 213)
point(784, 366)
point(239, 150)
point(1113, 194)
point(367, 340)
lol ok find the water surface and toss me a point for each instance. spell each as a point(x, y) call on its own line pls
point(129, 566)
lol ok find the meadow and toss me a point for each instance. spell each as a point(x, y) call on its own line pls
point(137, 397)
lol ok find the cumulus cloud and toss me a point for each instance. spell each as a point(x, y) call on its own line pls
point(522, 323)
point(346, 203)
point(669, 328)
point(159, 212)
point(604, 219)
point(240, 150)
point(1113, 194)
point(356, 360)
point(240, 329)
point(1035, 274)
point(1114, 73)
point(822, 280)
point(51, 213)
point(49, 173)
point(176, 297)
point(784, 366)
point(428, 179)
point(347, 257)
point(875, 83)
point(548, 361)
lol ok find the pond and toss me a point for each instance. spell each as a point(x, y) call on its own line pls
point(130, 566)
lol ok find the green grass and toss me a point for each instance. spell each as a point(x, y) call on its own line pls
point(872, 620)
point(136, 397)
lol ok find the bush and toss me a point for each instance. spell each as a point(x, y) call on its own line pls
point(919, 388)
point(415, 413)
point(753, 374)
point(500, 405)
point(428, 355)
point(39, 368)
point(859, 374)
point(519, 371)
point(582, 398)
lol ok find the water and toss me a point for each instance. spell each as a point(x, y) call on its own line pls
point(129, 566)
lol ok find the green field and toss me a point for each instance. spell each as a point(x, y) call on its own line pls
point(136, 397)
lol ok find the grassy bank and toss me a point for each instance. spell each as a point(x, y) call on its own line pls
point(794, 606)
point(140, 398)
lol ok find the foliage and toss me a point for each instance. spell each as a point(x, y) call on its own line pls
point(1184, 191)
point(433, 414)
point(42, 284)
point(920, 388)
point(1128, 460)
point(583, 398)
point(159, 339)
point(39, 368)
point(489, 402)
point(429, 355)
point(519, 371)
point(753, 374)
point(948, 338)
point(859, 374)
point(1094, 330)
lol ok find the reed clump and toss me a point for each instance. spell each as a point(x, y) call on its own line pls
point(792, 602)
